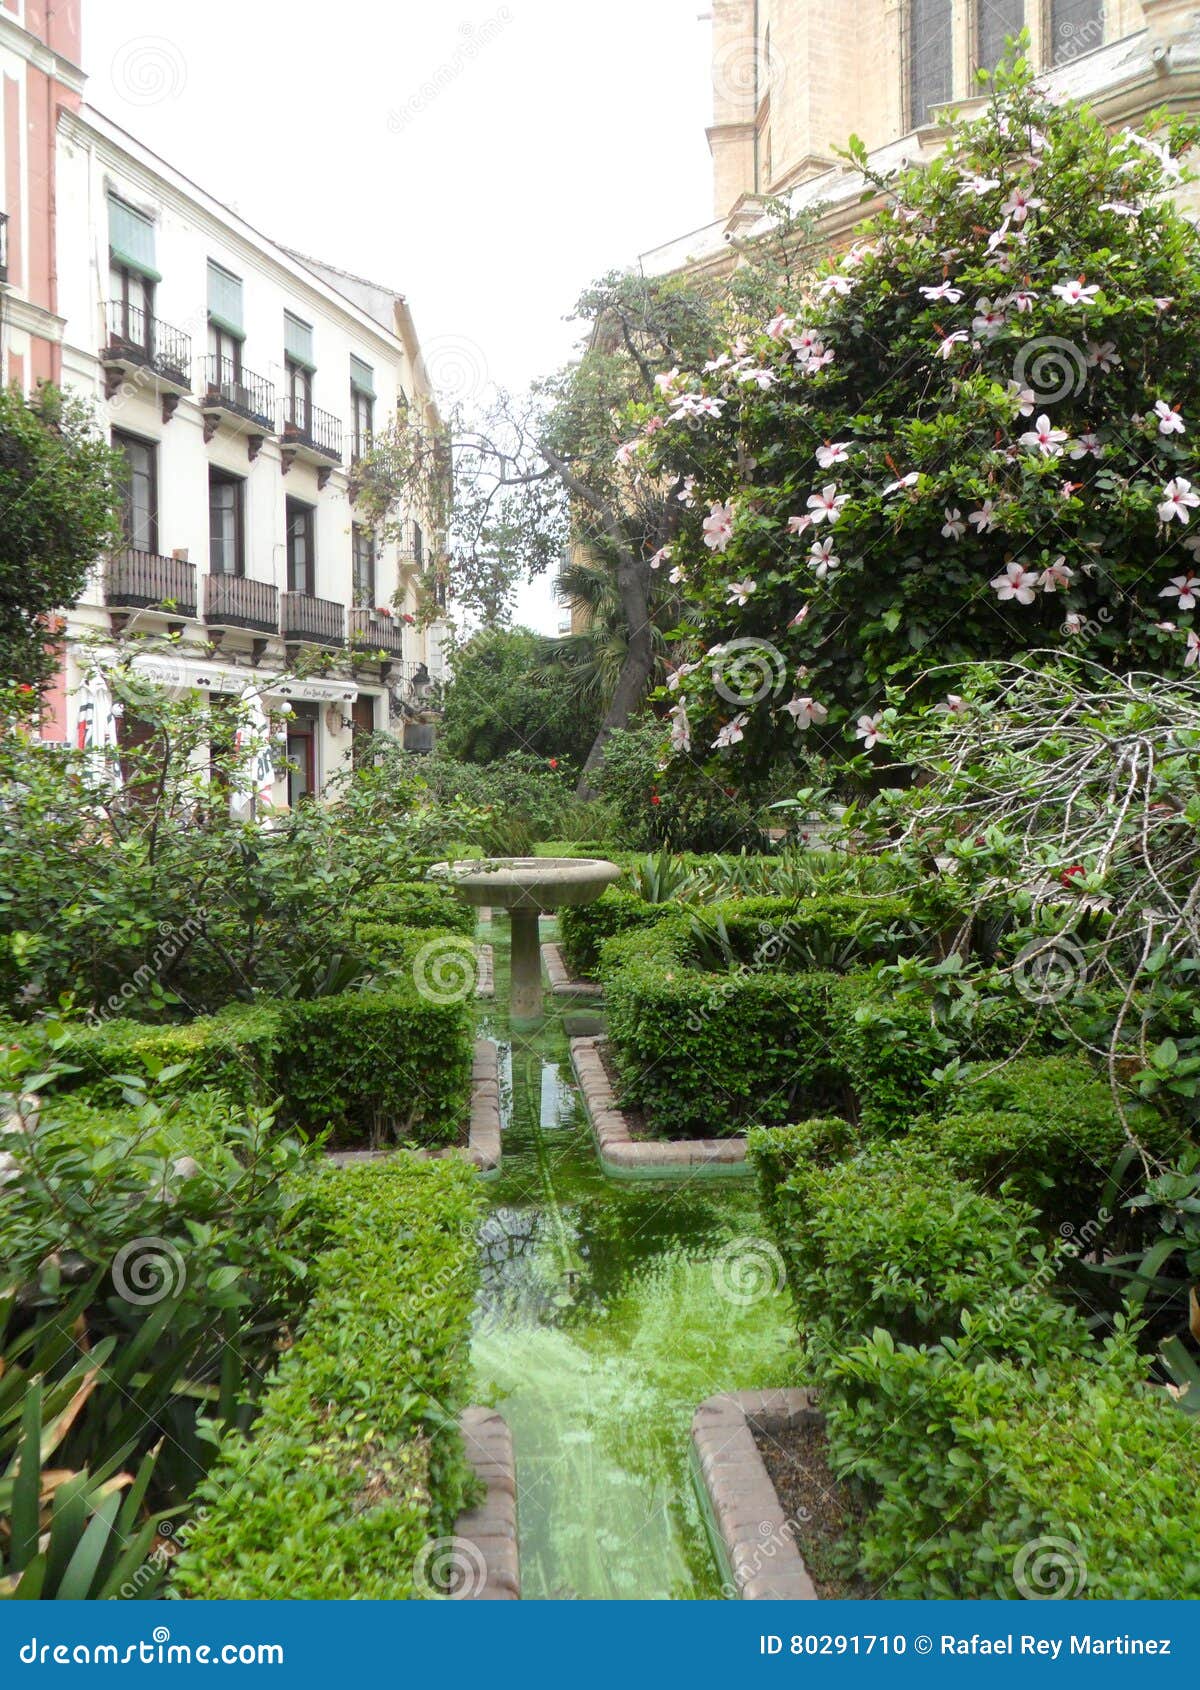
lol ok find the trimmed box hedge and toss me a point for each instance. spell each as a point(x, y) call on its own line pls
point(355, 1461)
point(417, 904)
point(775, 1153)
point(234, 1051)
point(704, 1055)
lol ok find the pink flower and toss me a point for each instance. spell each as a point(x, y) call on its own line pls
point(731, 733)
point(799, 617)
point(822, 558)
point(1075, 292)
point(681, 728)
point(1169, 419)
point(1043, 437)
point(869, 730)
point(660, 557)
point(667, 381)
point(944, 290)
point(696, 405)
point(954, 706)
point(1073, 623)
point(1017, 582)
point(799, 524)
point(739, 591)
point(984, 519)
point(780, 326)
point(989, 319)
point(900, 486)
point(955, 527)
point(1019, 204)
point(1056, 575)
point(718, 527)
point(1023, 300)
point(1024, 398)
point(762, 379)
point(1184, 588)
point(1103, 356)
point(685, 494)
point(1121, 208)
point(1192, 654)
point(839, 285)
point(976, 186)
point(833, 452)
point(1087, 446)
point(960, 337)
point(826, 506)
point(1178, 500)
point(626, 452)
point(1163, 304)
point(806, 711)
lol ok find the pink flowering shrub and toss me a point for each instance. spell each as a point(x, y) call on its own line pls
point(972, 436)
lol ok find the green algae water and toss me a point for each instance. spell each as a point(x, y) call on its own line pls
point(608, 1310)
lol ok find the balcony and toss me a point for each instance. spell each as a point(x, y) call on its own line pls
point(310, 435)
point(372, 632)
point(304, 620)
point(238, 398)
point(136, 580)
point(143, 351)
point(235, 601)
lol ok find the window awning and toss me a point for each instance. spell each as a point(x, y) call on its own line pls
point(225, 300)
point(131, 238)
point(362, 377)
point(298, 340)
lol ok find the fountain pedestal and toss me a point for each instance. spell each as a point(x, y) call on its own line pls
point(527, 887)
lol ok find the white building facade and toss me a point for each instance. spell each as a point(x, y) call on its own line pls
point(241, 383)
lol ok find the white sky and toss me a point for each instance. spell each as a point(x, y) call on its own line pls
point(486, 159)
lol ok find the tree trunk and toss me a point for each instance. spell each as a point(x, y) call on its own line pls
point(636, 671)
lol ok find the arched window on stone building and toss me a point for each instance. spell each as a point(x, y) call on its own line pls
point(995, 22)
point(930, 57)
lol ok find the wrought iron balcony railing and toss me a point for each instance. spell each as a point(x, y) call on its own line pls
point(302, 424)
point(370, 632)
point(138, 337)
point(311, 621)
point(236, 601)
point(137, 580)
point(229, 387)
point(3, 246)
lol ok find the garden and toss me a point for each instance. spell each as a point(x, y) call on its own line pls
point(854, 1152)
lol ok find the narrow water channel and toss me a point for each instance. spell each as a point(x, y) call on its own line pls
point(608, 1310)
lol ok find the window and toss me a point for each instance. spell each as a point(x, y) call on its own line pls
point(1076, 26)
point(362, 556)
point(301, 554)
point(301, 751)
point(131, 274)
point(418, 543)
point(299, 366)
point(996, 20)
point(139, 513)
point(362, 406)
point(930, 57)
point(226, 545)
point(225, 331)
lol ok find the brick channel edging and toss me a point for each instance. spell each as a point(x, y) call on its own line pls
point(620, 1153)
point(559, 975)
point(754, 1540)
point(491, 1527)
point(482, 1148)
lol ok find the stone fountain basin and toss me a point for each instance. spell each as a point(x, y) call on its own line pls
point(536, 884)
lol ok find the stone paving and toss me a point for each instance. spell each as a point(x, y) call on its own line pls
point(756, 1541)
point(491, 1526)
point(617, 1148)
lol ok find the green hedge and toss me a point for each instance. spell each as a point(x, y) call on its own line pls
point(775, 1153)
point(583, 928)
point(419, 904)
point(887, 1239)
point(369, 1065)
point(707, 1054)
point(355, 1461)
point(1045, 1127)
point(992, 1479)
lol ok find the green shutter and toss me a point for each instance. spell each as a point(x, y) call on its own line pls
point(225, 300)
point(131, 238)
point(362, 377)
point(298, 341)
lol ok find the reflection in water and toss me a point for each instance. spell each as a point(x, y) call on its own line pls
point(599, 1328)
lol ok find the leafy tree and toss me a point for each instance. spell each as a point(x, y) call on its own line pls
point(58, 497)
point(504, 698)
point(971, 438)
